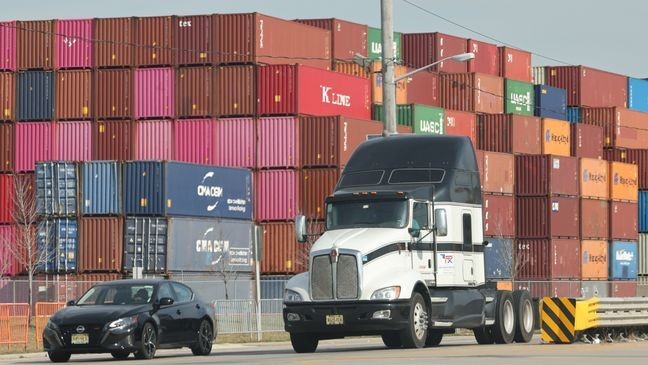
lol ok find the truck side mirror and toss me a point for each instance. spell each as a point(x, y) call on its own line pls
point(300, 229)
point(441, 222)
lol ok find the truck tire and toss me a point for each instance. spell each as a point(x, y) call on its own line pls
point(504, 328)
point(392, 340)
point(433, 338)
point(483, 335)
point(523, 315)
point(415, 334)
point(303, 343)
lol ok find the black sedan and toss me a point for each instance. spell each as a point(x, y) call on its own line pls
point(131, 316)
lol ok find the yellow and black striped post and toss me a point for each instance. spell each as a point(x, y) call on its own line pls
point(558, 318)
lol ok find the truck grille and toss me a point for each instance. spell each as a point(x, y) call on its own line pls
point(339, 278)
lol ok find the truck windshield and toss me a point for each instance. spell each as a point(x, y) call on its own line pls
point(366, 214)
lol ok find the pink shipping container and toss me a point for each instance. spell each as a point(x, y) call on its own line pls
point(461, 124)
point(422, 49)
point(7, 234)
point(486, 57)
point(278, 142)
point(73, 44)
point(6, 198)
point(588, 86)
point(473, 92)
point(8, 46)
point(623, 289)
point(624, 221)
point(424, 88)
point(548, 259)
point(154, 93)
point(153, 140)
point(72, 141)
point(499, 215)
point(33, 143)
point(194, 141)
point(277, 195)
point(296, 89)
point(236, 142)
point(515, 64)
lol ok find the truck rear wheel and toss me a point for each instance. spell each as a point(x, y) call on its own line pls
point(504, 328)
point(483, 335)
point(415, 334)
point(303, 342)
point(392, 340)
point(523, 315)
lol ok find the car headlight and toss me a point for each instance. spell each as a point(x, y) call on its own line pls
point(292, 296)
point(51, 325)
point(123, 323)
point(389, 293)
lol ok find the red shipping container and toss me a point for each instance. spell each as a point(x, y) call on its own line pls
point(499, 215)
point(258, 38)
point(472, 92)
point(154, 93)
point(194, 141)
point(11, 264)
point(8, 46)
point(586, 141)
point(546, 175)
point(624, 221)
point(35, 44)
point(422, 49)
point(329, 141)
point(595, 217)
point(547, 217)
point(6, 198)
point(114, 39)
point(424, 88)
point(316, 185)
point(6, 147)
point(637, 157)
point(347, 38)
point(548, 259)
point(235, 90)
point(496, 172)
point(112, 140)
point(461, 124)
point(192, 35)
point(236, 142)
point(113, 96)
point(510, 133)
point(541, 289)
point(282, 254)
point(295, 89)
point(194, 96)
point(515, 64)
point(72, 141)
point(100, 246)
point(7, 96)
point(277, 195)
point(623, 289)
point(278, 140)
point(153, 140)
point(154, 41)
point(73, 94)
point(73, 43)
point(588, 86)
point(621, 127)
point(33, 143)
point(486, 57)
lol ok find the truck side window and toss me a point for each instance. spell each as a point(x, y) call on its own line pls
point(420, 216)
point(467, 232)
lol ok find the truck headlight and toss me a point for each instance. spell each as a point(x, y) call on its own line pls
point(292, 296)
point(389, 293)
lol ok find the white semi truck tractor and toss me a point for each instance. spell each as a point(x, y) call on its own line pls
point(402, 255)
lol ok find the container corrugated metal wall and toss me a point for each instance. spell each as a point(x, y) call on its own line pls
point(594, 178)
point(33, 142)
point(145, 243)
point(7, 237)
point(143, 188)
point(593, 288)
point(638, 94)
point(594, 264)
point(56, 188)
point(595, 218)
point(73, 44)
point(587, 86)
point(35, 95)
point(499, 215)
point(624, 181)
point(194, 141)
point(6, 147)
point(58, 238)
point(192, 36)
point(509, 133)
point(316, 185)
point(72, 141)
point(547, 217)
point(519, 97)
point(277, 195)
point(538, 75)
point(100, 244)
point(574, 114)
point(634, 156)
point(515, 64)
point(424, 88)
point(422, 49)
point(347, 38)
point(74, 95)
point(112, 140)
point(486, 57)
point(7, 96)
point(642, 249)
point(374, 45)
point(8, 46)
point(154, 41)
point(586, 140)
point(113, 93)
point(114, 40)
point(377, 83)
point(545, 175)
point(624, 221)
point(236, 142)
point(550, 102)
point(282, 254)
point(153, 140)
point(472, 92)
point(623, 289)
point(556, 137)
point(543, 259)
point(7, 194)
point(351, 68)
point(235, 92)
point(154, 93)
point(643, 211)
point(194, 92)
point(35, 45)
point(461, 124)
point(622, 127)
point(498, 258)
point(496, 172)
point(278, 142)
point(100, 188)
point(623, 260)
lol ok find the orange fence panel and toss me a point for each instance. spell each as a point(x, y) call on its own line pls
point(42, 313)
point(14, 324)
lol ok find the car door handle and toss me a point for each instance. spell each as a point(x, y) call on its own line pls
point(178, 311)
point(197, 306)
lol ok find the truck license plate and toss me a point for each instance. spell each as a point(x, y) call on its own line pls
point(334, 319)
point(80, 339)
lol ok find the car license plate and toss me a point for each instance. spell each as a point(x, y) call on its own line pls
point(334, 319)
point(80, 339)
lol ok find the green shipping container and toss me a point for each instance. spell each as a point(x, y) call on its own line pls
point(374, 40)
point(422, 118)
point(519, 97)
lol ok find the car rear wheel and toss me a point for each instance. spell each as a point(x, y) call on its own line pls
point(59, 356)
point(148, 344)
point(204, 340)
point(120, 355)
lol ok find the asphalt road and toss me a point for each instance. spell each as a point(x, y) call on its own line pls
point(453, 350)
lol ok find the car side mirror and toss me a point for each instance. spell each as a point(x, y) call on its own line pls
point(70, 303)
point(165, 301)
point(415, 233)
point(300, 229)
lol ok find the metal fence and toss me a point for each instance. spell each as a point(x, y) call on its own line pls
point(246, 316)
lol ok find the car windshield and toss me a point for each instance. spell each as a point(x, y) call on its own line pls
point(366, 214)
point(117, 294)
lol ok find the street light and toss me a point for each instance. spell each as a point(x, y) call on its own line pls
point(462, 57)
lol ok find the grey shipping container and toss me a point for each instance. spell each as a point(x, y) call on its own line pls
point(35, 95)
point(145, 240)
point(101, 188)
point(57, 239)
point(56, 188)
point(181, 189)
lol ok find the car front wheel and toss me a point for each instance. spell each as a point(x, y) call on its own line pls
point(120, 355)
point(204, 339)
point(59, 356)
point(148, 345)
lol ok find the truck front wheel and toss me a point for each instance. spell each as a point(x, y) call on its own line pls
point(303, 342)
point(392, 340)
point(415, 334)
point(504, 328)
point(433, 338)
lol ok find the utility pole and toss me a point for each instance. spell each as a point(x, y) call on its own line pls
point(389, 88)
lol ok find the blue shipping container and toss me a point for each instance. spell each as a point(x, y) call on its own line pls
point(100, 189)
point(638, 94)
point(56, 188)
point(57, 242)
point(182, 189)
point(550, 102)
point(643, 211)
point(498, 257)
point(35, 95)
point(623, 260)
point(574, 114)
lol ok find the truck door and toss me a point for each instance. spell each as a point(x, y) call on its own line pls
point(422, 252)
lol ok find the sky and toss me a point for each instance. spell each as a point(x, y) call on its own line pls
point(597, 33)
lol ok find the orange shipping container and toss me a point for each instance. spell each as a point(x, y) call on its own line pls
point(594, 264)
point(350, 68)
point(282, 254)
point(556, 136)
point(624, 181)
point(100, 244)
point(594, 178)
point(377, 84)
point(496, 172)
